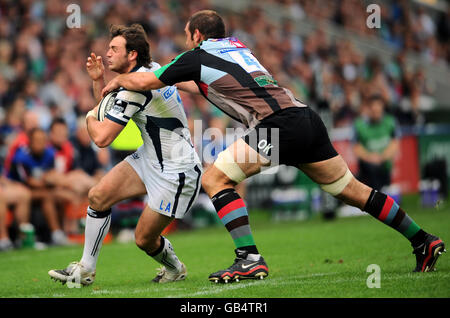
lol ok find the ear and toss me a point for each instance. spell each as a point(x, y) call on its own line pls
point(132, 56)
point(198, 37)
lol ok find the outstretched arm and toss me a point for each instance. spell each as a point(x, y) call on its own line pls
point(137, 81)
point(189, 87)
point(185, 67)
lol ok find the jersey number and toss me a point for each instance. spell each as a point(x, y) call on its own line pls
point(247, 61)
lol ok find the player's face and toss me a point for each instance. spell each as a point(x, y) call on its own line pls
point(117, 55)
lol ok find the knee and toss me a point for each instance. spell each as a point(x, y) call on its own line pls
point(25, 194)
point(212, 183)
point(207, 182)
point(147, 244)
point(97, 199)
point(141, 242)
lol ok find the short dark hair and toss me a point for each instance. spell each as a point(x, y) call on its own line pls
point(136, 39)
point(57, 120)
point(208, 23)
point(34, 131)
point(375, 98)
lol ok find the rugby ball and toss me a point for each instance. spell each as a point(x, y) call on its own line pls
point(105, 105)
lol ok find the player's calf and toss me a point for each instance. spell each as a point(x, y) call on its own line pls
point(381, 206)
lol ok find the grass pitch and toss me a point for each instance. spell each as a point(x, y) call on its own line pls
point(311, 258)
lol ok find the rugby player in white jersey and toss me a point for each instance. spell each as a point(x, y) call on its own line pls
point(166, 167)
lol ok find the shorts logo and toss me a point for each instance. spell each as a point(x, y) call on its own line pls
point(135, 156)
point(264, 146)
point(166, 208)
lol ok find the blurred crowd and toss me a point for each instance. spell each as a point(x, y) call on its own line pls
point(45, 90)
point(333, 75)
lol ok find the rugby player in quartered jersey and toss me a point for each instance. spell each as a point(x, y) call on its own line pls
point(229, 76)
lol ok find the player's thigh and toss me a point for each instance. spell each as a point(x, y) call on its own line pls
point(236, 163)
point(150, 226)
point(120, 183)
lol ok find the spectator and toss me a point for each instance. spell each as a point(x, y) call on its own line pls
point(59, 140)
point(30, 165)
point(30, 121)
point(86, 158)
point(375, 144)
point(15, 195)
point(71, 183)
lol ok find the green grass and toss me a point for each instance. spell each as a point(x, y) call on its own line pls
point(311, 258)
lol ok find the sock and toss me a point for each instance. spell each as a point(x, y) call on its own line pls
point(97, 226)
point(385, 209)
point(165, 255)
point(233, 214)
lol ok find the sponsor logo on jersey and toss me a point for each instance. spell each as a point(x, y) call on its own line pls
point(265, 80)
point(168, 92)
point(226, 50)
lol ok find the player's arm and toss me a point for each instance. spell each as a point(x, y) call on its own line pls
point(188, 87)
point(126, 104)
point(185, 67)
point(103, 132)
point(136, 81)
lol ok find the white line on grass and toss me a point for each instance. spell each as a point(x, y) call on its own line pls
point(234, 286)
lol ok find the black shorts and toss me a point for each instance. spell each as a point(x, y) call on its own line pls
point(291, 136)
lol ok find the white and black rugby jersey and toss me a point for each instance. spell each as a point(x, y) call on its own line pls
point(160, 116)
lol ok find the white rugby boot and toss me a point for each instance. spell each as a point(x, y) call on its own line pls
point(75, 273)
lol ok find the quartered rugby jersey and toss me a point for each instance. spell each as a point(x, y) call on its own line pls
point(231, 78)
point(160, 117)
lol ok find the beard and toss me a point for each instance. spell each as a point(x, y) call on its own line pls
point(120, 67)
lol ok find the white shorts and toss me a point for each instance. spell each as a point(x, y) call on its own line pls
point(171, 194)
